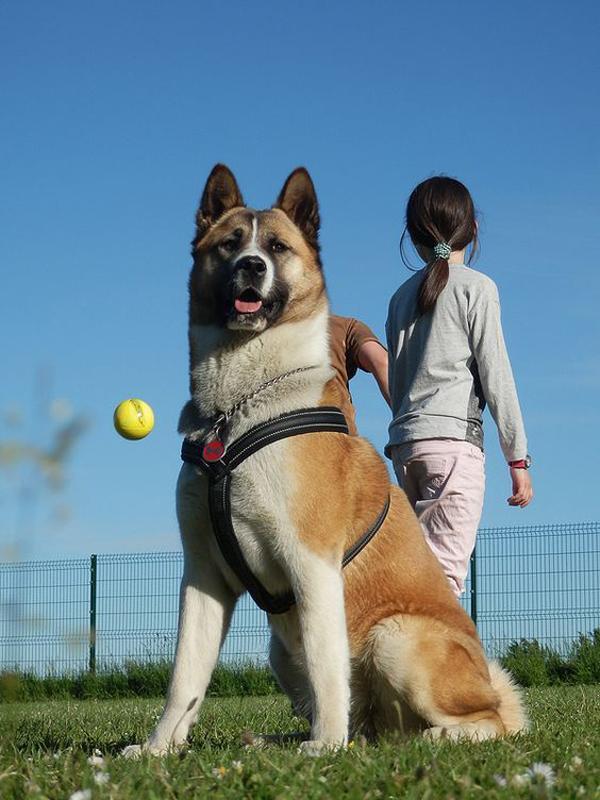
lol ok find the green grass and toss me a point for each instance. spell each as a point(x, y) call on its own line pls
point(531, 663)
point(132, 679)
point(44, 748)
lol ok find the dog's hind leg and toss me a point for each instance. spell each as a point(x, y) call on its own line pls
point(291, 677)
point(444, 678)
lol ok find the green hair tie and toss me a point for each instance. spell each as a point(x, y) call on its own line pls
point(442, 250)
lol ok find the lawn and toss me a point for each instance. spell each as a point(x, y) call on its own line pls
point(45, 750)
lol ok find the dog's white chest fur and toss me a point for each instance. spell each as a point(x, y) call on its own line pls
point(261, 490)
point(263, 486)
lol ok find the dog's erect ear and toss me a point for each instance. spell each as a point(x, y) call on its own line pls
point(299, 201)
point(221, 193)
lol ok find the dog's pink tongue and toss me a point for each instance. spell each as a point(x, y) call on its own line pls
point(247, 306)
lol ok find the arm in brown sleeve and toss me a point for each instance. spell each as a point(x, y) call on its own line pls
point(364, 350)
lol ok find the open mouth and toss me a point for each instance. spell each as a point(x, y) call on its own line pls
point(249, 302)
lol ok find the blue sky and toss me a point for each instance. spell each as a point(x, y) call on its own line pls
point(113, 115)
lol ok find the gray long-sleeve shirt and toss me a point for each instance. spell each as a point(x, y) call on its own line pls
point(447, 364)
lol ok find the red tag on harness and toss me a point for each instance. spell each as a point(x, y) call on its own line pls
point(213, 451)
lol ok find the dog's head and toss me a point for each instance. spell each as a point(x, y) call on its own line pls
point(255, 269)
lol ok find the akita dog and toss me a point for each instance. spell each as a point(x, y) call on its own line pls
point(379, 645)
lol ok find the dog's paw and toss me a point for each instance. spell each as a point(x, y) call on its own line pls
point(318, 747)
point(138, 750)
point(132, 751)
point(435, 733)
point(455, 733)
point(450, 733)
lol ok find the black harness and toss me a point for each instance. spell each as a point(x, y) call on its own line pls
point(219, 472)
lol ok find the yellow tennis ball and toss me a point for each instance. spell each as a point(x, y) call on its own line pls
point(133, 418)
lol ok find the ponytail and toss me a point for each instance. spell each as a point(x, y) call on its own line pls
point(440, 216)
point(434, 282)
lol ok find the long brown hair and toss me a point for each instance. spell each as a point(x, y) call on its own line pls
point(440, 209)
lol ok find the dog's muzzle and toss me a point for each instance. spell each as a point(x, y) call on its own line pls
point(251, 268)
point(248, 281)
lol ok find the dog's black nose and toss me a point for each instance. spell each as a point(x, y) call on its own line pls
point(254, 265)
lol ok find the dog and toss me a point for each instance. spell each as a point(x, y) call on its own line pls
point(381, 645)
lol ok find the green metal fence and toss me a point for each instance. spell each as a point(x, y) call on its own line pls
point(540, 582)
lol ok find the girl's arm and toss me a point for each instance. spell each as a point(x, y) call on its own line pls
point(391, 352)
point(495, 372)
point(373, 358)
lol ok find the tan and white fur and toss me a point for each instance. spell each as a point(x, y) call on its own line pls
point(382, 645)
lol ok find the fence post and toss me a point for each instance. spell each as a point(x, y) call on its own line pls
point(474, 585)
point(93, 587)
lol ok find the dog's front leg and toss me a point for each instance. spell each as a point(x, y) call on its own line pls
point(325, 642)
point(205, 609)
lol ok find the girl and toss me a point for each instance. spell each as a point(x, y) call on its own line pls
point(447, 359)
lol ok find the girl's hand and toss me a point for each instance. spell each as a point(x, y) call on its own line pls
point(521, 486)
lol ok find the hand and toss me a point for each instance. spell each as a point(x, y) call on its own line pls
point(521, 486)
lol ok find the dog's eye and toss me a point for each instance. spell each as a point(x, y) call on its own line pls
point(229, 245)
point(278, 247)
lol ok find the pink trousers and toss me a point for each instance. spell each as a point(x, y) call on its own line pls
point(444, 480)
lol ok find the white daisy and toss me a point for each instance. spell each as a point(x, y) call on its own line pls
point(81, 794)
point(543, 773)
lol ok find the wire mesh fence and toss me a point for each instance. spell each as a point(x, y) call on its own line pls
point(540, 582)
point(44, 615)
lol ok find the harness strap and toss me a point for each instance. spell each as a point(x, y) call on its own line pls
point(326, 418)
point(220, 512)
point(364, 540)
point(308, 420)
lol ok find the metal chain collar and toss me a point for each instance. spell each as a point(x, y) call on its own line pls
point(225, 416)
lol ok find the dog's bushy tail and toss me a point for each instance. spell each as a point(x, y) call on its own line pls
point(511, 709)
